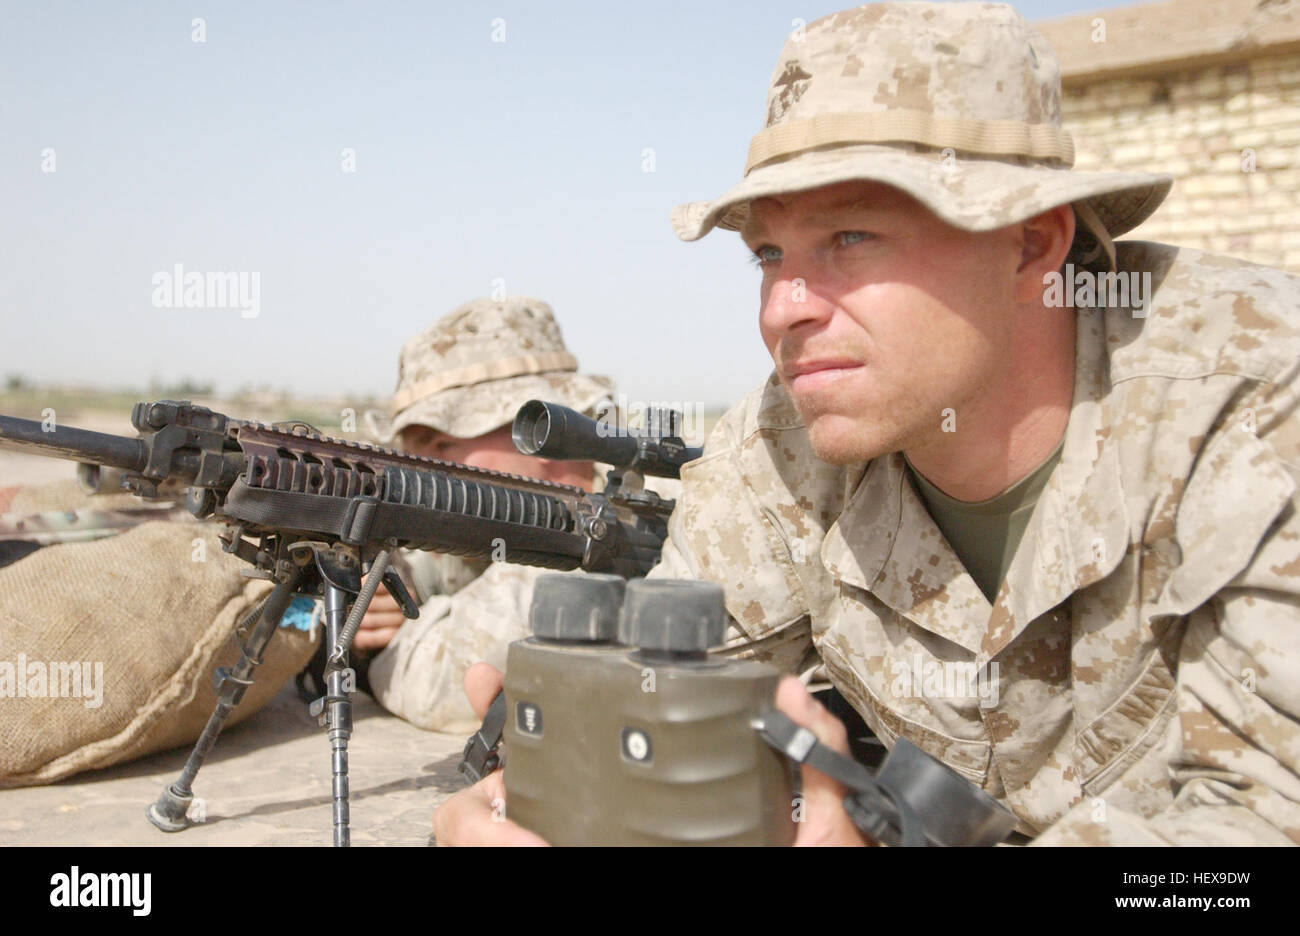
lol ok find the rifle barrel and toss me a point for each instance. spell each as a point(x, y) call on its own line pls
point(83, 445)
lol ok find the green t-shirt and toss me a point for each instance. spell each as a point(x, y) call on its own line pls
point(985, 534)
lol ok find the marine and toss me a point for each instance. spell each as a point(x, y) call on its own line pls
point(460, 382)
point(945, 465)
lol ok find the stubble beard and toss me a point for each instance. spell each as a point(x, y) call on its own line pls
point(841, 438)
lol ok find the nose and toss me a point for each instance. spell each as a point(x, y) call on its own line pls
point(792, 301)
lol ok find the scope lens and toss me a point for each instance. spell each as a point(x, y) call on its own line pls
point(541, 429)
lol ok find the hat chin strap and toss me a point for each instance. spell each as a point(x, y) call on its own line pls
point(1084, 212)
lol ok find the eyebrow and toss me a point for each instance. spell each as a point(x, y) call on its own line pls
point(822, 217)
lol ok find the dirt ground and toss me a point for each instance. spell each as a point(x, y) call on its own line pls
point(267, 782)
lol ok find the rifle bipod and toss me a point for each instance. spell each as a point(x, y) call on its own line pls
point(336, 574)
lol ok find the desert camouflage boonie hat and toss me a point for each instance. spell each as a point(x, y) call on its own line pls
point(469, 372)
point(957, 104)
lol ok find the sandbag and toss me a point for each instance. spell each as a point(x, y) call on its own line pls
point(107, 648)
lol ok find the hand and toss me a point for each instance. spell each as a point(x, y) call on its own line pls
point(380, 624)
point(825, 821)
point(476, 816)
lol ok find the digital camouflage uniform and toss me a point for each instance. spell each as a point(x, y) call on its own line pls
point(467, 375)
point(1147, 635)
point(1140, 666)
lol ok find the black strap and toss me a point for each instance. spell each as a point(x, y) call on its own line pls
point(481, 757)
point(878, 811)
point(366, 519)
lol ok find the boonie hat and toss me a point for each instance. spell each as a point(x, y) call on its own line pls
point(471, 371)
point(956, 104)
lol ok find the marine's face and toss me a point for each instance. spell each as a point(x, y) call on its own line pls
point(496, 451)
point(878, 316)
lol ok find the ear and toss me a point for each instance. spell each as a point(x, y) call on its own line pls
point(1044, 241)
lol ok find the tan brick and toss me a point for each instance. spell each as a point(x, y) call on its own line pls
point(1208, 125)
point(1198, 224)
point(1263, 76)
point(1234, 223)
point(1257, 182)
point(1131, 154)
point(1277, 155)
point(1236, 104)
point(1181, 93)
point(1208, 83)
point(1286, 179)
point(1218, 143)
point(1278, 115)
point(1288, 76)
point(1229, 161)
point(1163, 149)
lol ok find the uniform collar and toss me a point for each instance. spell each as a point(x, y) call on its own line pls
point(886, 542)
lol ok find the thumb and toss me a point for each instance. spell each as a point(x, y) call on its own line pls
point(482, 683)
point(824, 822)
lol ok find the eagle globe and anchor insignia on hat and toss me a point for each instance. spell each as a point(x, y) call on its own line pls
point(956, 104)
point(469, 372)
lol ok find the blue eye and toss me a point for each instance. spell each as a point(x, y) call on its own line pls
point(765, 254)
point(853, 237)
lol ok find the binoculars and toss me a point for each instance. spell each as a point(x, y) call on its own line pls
point(623, 728)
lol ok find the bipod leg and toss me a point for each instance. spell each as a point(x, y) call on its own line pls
point(168, 811)
point(335, 709)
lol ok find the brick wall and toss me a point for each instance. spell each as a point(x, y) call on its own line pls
point(1203, 126)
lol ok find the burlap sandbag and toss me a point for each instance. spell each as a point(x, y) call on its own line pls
point(159, 622)
point(70, 495)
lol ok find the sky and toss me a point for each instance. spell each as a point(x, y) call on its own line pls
point(370, 167)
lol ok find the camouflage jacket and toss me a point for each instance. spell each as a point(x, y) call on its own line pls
point(1137, 679)
point(470, 611)
point(420, 674)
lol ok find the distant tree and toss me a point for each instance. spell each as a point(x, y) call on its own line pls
point(15, 382)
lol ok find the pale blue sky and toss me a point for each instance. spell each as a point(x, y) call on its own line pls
point(475, 160)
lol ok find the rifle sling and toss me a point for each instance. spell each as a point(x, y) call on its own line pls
point(360, 520)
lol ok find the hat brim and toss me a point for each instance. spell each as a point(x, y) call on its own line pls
point(467, 412)
point(967, 193)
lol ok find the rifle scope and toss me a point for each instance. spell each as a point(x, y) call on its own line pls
point(548, 430)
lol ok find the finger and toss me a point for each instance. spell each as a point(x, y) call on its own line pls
point(826, 822)
point(476, 816)
point(374, 619)
point(482, 683)
point(375, 638)
point(383, 601)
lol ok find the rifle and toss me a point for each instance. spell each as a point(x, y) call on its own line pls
point(314, 514)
